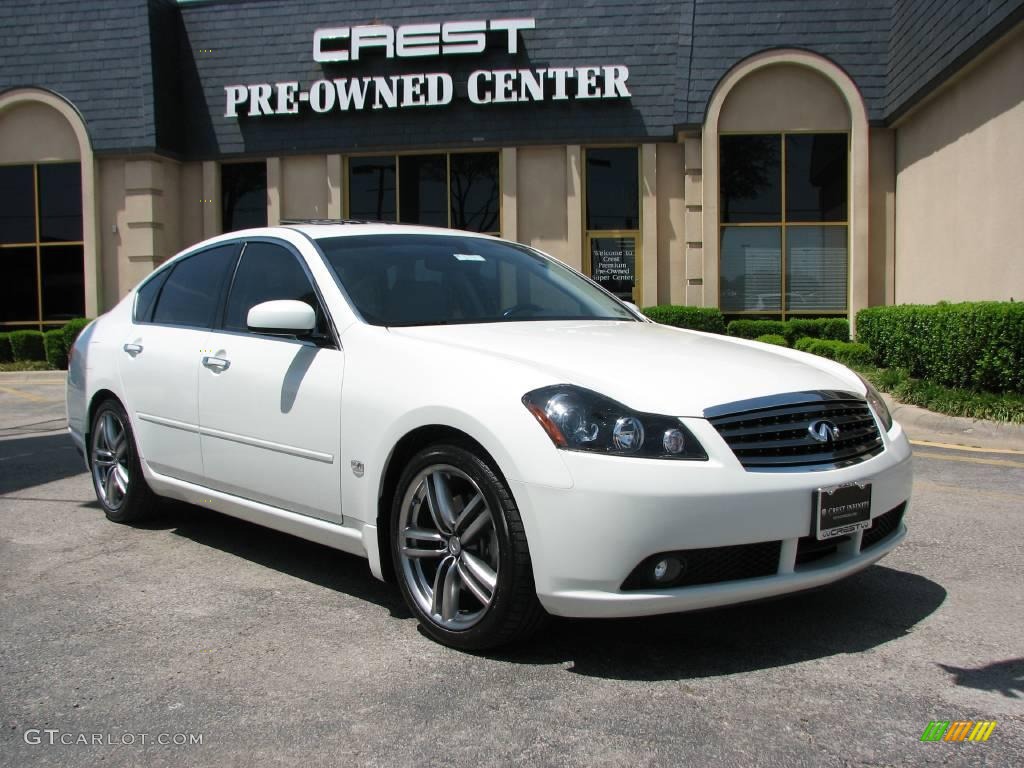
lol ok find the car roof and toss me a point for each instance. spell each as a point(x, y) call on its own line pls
point(320, 229)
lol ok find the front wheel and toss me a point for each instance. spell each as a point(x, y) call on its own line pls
point(460, 551)
point(116, 472)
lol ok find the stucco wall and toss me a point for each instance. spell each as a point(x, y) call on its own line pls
point(304, 193)
point(541, 200)
point(960, 185)
point(36, 133)
point(671, 240)
point(882, 215)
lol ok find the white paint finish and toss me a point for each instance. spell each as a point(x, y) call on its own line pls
point(282, 314)
point(269, 421)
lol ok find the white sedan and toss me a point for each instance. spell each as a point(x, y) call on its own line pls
point(488, 427)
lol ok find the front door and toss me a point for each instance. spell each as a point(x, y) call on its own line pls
point(270, 406)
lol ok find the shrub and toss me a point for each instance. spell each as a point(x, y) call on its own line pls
point(773, 338)
point(972, 345)
point(72, 329)
point(27, 345)
point(845, 352)
point(751, 329)
point(56, 352)
point(837, 328)
point(695, 318)
point(5, 348)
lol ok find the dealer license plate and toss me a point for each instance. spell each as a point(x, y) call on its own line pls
point(842, 509)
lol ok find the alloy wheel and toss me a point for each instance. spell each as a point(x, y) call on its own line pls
point(111, 460)
point(448, 547)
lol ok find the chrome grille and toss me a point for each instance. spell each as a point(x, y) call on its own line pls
point(774, 433)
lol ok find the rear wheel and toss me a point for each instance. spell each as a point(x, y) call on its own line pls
point(460, 551)
point(116, 472)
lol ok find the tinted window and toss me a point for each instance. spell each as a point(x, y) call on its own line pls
point(266, 272)
point(60, 202)
point(441, 279)
point(62, 281)
point(613, 191)
point(192, 290)
point(147, 294)
point(474, 191)
point(751, 178)
point(18, 287)
point(17, 204)
point(422, 190)
point(816, 177)
point(243, 189)
point(371, 188)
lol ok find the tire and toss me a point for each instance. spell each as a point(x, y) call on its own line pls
point(460, 552)
point(117, 477)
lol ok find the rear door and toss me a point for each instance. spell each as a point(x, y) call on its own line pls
point(269, 405)
point(160, 356)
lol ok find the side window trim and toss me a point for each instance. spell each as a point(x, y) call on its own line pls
point(221, 289)
point(332, 332)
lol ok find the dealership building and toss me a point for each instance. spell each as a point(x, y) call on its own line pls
point(777, 158)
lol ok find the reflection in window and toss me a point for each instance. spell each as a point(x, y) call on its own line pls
point(243, 191)
point(474, 191)
point(751, 269)
point(613, 189)
point(422, 193)
point(765, 238)
point(750, 179)
point(41, 249)
point(267, 272)
point(371, 188)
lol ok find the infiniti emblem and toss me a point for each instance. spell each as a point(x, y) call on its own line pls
point(824, 431)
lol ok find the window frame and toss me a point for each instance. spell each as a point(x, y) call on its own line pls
point(38, 244)
point(636, 234)
point(783, 312)
point(397, 156)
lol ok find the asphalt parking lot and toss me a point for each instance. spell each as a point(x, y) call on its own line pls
point(275, 651)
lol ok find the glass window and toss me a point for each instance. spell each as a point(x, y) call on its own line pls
point(751, 269)
point(146, 296)
point(475, 200)
point(63, 289)
point(243, 190)
point(371, 188)
point(18, 296)
point(613, 190)
point(192, 290)
point(60, 202)
point(816, 177)
point(816, 268)
point(399, 280)
point(750, 179)
point(266, 272)
point(17, 207)
point(422, 190)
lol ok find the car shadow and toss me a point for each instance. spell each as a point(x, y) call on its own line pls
point(306, 560)
point(37, 460)
point(1005, 677)
point(857, 614)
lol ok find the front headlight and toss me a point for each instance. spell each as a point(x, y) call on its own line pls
point(877, 404)
point(577, 419)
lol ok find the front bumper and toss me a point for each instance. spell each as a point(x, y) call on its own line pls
point(586, 540)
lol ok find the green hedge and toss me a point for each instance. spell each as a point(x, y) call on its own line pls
point(837, 328)
point(972, 345)
point(27, 345)
point(845, 352)
point(56, 351)
point(773, 338)
point(72, 329)
point(695, 318)
point(6, 356)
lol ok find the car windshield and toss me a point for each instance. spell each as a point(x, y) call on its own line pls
point(423, 279)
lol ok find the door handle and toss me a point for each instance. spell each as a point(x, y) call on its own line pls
point(133, 349)
point(216, 364)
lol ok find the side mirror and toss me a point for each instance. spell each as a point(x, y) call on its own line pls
point(284, 316)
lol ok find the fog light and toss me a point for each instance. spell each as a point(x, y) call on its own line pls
point(674, 441)
point(667, 569)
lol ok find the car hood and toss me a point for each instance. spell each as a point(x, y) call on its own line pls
point(646, 366)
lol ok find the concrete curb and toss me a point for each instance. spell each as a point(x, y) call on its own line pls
point(932, 427)
point(33, 377)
